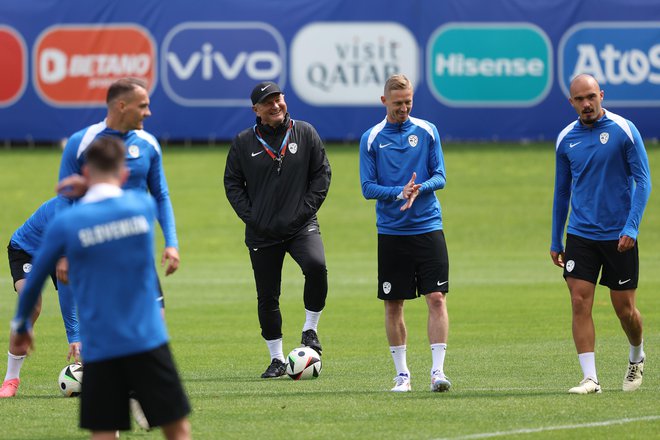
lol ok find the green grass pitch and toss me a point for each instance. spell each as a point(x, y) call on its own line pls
point(511, 357)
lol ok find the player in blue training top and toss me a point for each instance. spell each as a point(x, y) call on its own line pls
point(128, 106)
point(412, 253)
point(125, 343)
point(23, 245)
point(602, 171)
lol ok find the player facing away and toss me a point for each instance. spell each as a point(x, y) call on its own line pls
point(23, 245)
point(122, 331)
point(276, 178)
point(127, 103)
point(401, 166)
point(602, 172)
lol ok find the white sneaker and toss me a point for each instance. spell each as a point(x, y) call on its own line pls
point(402, 382)
point(138, 414)
point(633, 378)
point(439, 382)
point(587, 386)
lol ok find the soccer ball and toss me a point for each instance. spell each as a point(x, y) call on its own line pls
point(70, 380)
point(303, 363)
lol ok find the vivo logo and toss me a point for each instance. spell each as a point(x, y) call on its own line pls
point(259, 65)
point(217, 64)
point(624, 57)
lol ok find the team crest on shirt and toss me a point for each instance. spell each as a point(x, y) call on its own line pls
point(570, 265)
point(604, 137)
point(27, 268)
point(293, 147)
point(413, 140)
point(134, 151)
point(387, 287)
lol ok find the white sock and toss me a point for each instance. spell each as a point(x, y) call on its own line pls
point(637, 353)
point(14, 364)
point(438, 352)
point(311, 320)
point(399, 357)
point(588, 364)
point(275, 348)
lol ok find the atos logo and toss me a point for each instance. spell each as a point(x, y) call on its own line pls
point(217, 63)
point(13, 54)
point(623, 56)
point(75, 64)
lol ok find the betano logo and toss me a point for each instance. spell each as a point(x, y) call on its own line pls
point(623, 56)
point(13, 54)
point(218, 63)
point(75, 64)
point(489, 65)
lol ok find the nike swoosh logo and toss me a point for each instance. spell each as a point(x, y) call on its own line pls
point(264, 88)
point(257, 153)
point(384, 145)
point(311, 229)
point(571, 145)
point(623, 282)
point(441, 283)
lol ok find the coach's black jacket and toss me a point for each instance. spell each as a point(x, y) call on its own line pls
point(276, 206)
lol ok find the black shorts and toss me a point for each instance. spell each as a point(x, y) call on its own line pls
point(412, 265)
point(584, 259)
point(20, 264)
point(151, 375)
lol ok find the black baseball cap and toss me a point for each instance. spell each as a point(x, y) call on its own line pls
point(262, 90)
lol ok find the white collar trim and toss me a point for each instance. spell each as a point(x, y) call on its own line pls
point(101, 191)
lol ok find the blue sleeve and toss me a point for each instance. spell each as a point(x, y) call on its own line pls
point(436, 166)
point(639, 167)
point(69, 164)
point(369, 175)
point(69, 313)
point(561, 202)
point(157, 185)
point(44, 261)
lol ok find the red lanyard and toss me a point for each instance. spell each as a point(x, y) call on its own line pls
point(270, 150)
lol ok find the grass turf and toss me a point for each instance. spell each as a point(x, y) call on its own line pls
point(510, 355)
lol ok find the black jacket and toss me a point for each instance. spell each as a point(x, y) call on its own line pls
point(274, 206)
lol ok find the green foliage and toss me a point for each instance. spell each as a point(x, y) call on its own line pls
point(511, 357)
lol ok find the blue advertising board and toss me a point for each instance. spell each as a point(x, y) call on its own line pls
point(482, 69)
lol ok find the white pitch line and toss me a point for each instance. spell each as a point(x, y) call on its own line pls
point(553, 428)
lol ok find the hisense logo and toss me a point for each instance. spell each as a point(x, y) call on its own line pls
point(489, 65)
point(457, 64)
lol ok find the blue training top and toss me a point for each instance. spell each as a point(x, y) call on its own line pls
point(143, 159)
point(389, 153)
point(29, 238)
point(108, 239)
point(604, 172)
point(29, 235)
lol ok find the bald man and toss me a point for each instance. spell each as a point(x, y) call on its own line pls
point(602, 171)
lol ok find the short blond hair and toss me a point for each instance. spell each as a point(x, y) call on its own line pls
point(397, 81)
